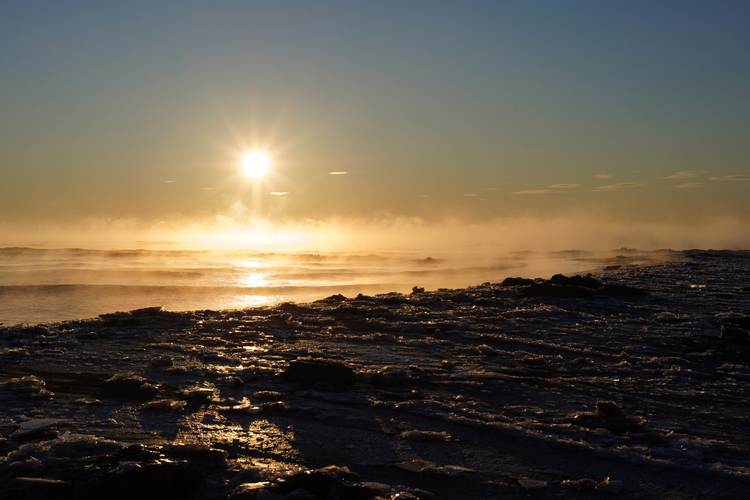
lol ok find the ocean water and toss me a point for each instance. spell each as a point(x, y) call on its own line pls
point(41, 285)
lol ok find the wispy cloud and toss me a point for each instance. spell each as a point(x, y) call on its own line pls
point(169, 182)
point(617, 187)
point(338, 173)
point(538, 191)
point(471, 195)
point(690, 185)
point(732, 178)
point(279, 193)
point(603, 176)
point(688, 174)
point(565, 186)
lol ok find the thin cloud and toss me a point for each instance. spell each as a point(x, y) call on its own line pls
point(338, 173)
point(617, 187)
point(279, 193)
point(471, 195)
point(169, 182)
point(565, 186)
point(732, 178)
point(690, 185)
point(603, 176)
point(538, 191)
point(688, 174)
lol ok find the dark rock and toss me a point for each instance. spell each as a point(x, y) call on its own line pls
point(300, 494)
point(392, 299)
point(196, 453)
point(323, 386)
point(417, 289)
point(93, 468)
point(162, 479)
point(146, 311)
point(608, 416)
point(135, 452)
point(126, 385)
point(288, 306)
point(350, 310)
point(36, 330)
point(743, 322)
point(163, 360)
point(128, 380)
point(390, 375)
point(607, 409)
point(516, 281)
point(118, 320)
point(308, 371)
point(328, 482)
point(577, 280)
point(87, 336)
point(580, 484)
point(333, 299)
point(552, 290)
point(250, 491)
point(733, 334)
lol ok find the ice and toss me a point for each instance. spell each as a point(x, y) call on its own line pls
point(442, 379)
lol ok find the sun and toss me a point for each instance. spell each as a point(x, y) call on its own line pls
point(255, 164)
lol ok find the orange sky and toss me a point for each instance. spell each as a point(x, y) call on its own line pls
point(571, 124)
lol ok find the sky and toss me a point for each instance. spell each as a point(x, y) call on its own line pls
point(531, 123)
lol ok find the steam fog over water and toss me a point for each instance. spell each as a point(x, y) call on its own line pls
point(41, 285)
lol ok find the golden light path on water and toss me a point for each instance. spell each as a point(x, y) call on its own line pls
point(252, 274)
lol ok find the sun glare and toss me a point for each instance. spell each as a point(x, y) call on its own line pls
point(255, 164)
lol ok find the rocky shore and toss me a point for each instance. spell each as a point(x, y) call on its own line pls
point(631, 383)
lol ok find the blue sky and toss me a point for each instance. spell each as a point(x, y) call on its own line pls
point(635, 112)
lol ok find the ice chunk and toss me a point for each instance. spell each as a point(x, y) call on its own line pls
point(165, 404)
point(531, 484)
point(425, 436)
point(32, 427)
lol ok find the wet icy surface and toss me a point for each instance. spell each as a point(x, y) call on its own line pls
point(472, 393)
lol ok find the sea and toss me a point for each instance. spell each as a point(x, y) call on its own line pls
point(40, 285)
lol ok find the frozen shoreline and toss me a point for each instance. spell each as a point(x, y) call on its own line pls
point(477, 392)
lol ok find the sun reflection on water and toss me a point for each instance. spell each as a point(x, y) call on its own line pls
point(253, 279)
point(252, 274)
